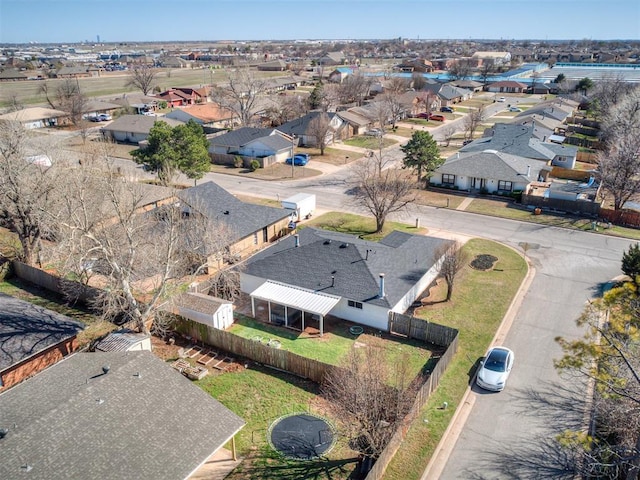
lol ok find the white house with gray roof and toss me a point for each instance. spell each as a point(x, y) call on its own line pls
point(116, 416)
point(303, 278)
point(520, 140)
point(134, 128)
point(488, 170)
point(250, 142)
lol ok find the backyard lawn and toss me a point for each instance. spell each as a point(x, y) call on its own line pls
point(363, 227)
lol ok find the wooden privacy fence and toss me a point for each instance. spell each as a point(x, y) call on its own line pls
point(420, 329)
point(53, 283)
point(427, 388)
point(254, 350)
point(626, 218)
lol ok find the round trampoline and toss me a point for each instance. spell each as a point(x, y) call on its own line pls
point(301, 436)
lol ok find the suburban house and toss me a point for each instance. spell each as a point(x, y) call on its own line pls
point(421, 101)
point(32, 338)
point(545, 128)
point(267, 145)
point(340, 74)
point(357, 123)
point(491, 58)
point(300, 128)
point(449, 94)
point(520, 140)
point(95, 107)
point(73, 71)
point(273, 66)
point(490, 171)
point(35, 117)
point(304, 277)
point(111, 415)
point(181, 96)
point(205, 114)
point(507, 86)
point(12, 74)
point(558, 109)
point(468, 84)
point(134, 128)
point(332, 58)
point(243, 227)
point(419, 65)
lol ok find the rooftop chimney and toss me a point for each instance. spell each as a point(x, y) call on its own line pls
point(297, 237)
point(381, 294)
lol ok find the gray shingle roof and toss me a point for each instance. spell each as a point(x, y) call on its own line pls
point(241, 136)
point(242, 219)
point(519, 140)
point(26, 330)
point(299, 126)
point(138, 123)
point(402, 257)
point(120, 341)
point(141, 420)
point(493, 164)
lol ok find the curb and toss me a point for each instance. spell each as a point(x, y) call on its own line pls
point(450, 437)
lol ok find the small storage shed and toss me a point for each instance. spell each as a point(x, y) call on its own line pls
point(124, 341)
point(205, 309)
point(302, 203)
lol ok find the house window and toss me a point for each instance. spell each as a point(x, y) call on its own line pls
point(353, 304)
point(265, 235)
point(448, 179)
point(502, 185)
point(255, 238)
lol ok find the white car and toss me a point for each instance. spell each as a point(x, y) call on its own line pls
point(495, 368)
point(515, 109)
point(501, 99)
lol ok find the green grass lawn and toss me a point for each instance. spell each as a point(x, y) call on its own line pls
point(479, 302)
point(260, 395)
point(331, 348)
point(363, 227)
point(371, 143)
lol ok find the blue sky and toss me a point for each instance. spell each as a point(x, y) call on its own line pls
point(190, 20)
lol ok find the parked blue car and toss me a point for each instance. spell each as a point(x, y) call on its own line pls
point(299, 159)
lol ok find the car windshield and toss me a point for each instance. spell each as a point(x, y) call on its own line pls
point(496, 361)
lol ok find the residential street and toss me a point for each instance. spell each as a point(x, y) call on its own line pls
point(505, 432)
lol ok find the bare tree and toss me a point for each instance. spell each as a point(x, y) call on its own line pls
point(418, 81)
point(381, 191)
point(396, 105)
point(354, 89)
point(452, 259)
point(320, 129)
point(460, 69)
point(430, 101)
point(143, 78)
point(240, 94)
point(29, 196)
point(286, 108)
point(472, 121)
point(139, 258)
point(448, 132)
point(619, 162)
point(67, 97)
point(371, 395)
point(378, 112)
point(486, 70)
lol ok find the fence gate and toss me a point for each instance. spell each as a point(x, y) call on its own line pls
point(399, 324)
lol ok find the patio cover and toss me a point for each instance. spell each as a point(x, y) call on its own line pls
point(306, 300)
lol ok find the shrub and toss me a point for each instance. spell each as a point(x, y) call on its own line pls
point(238, 162)
point(255, 164)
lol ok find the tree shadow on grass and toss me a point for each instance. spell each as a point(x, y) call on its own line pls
point(266, 465)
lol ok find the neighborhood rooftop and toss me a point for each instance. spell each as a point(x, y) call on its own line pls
point(110, 415)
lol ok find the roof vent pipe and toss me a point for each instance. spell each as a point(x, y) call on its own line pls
point(528, 170)
point(381, 294)
point(297, 237)
point(105, 369)
point(333, 280)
